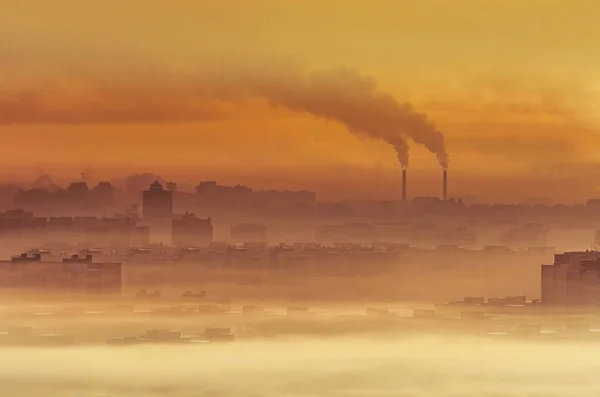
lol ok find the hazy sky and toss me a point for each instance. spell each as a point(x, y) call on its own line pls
point(119, 86)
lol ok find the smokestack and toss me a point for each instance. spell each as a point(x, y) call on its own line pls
point(404, 184)
point(445, 184)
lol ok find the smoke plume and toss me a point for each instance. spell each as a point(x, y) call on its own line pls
point(343, 95)
point(352, 99)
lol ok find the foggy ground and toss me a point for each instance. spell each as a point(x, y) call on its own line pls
point(338, 350)
point(360, 366)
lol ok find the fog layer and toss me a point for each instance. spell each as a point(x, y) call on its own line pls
point(335, 367)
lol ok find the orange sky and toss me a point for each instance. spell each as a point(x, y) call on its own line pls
point(114, 85)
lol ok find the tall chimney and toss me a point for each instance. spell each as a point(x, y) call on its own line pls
point(445, 185)
point(404, 184)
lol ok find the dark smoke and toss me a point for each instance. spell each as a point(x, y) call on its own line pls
point(401, 147)
point(352, 99)
point(343, 95)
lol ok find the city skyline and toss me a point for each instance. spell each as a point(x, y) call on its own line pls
point(421, 183)
point(519, 123)
point(317, 197)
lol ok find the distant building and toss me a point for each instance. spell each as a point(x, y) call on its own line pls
point(73, 274)
point(77, 198)
point(103, 195)
point(157, 203)
point(249, 232)
point(78, 190)
point(191, 231)
point(172, 186)
point(16, 214)
point(21, 227)
point(213, 195)
point(573, 279)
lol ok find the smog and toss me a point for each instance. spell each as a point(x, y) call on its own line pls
point(361, 366)
point(337, 350)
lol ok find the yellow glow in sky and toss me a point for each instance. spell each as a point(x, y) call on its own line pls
point(112, 84)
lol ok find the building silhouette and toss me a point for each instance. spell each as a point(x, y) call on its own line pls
point(191, 231)
point(78, 190)
point(157, 212)
point(172, 186)
point(24, 229)
point(573, 279)
point(77, 198)
point(72, 274)
point(157, 203)
point(103, 195)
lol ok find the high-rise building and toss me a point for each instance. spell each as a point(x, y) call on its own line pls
point(548, 285)
point(157, 211)
point(573, 279)
point(157, 203)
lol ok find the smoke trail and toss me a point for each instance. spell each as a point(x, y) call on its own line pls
point(401, 147)
point(343, 95)
point(352, 99)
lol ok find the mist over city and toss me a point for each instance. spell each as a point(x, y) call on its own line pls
point(268, 198)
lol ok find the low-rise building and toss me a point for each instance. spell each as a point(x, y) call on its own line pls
point(72, 274)
point(191, 231)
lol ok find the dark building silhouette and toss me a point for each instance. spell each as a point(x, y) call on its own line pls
point(77, 195)
point(78, 190)
point(157, 212)
point(172, 186)
point(37, 197)
point(191, 231)
point(77, 198)
point(573, 279)
point(157, 203)
point(23, 228)
point(213, 195)
point(72, 274)
point(102, 195)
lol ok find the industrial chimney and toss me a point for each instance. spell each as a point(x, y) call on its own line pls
point(445, 185)
point(404, 184)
